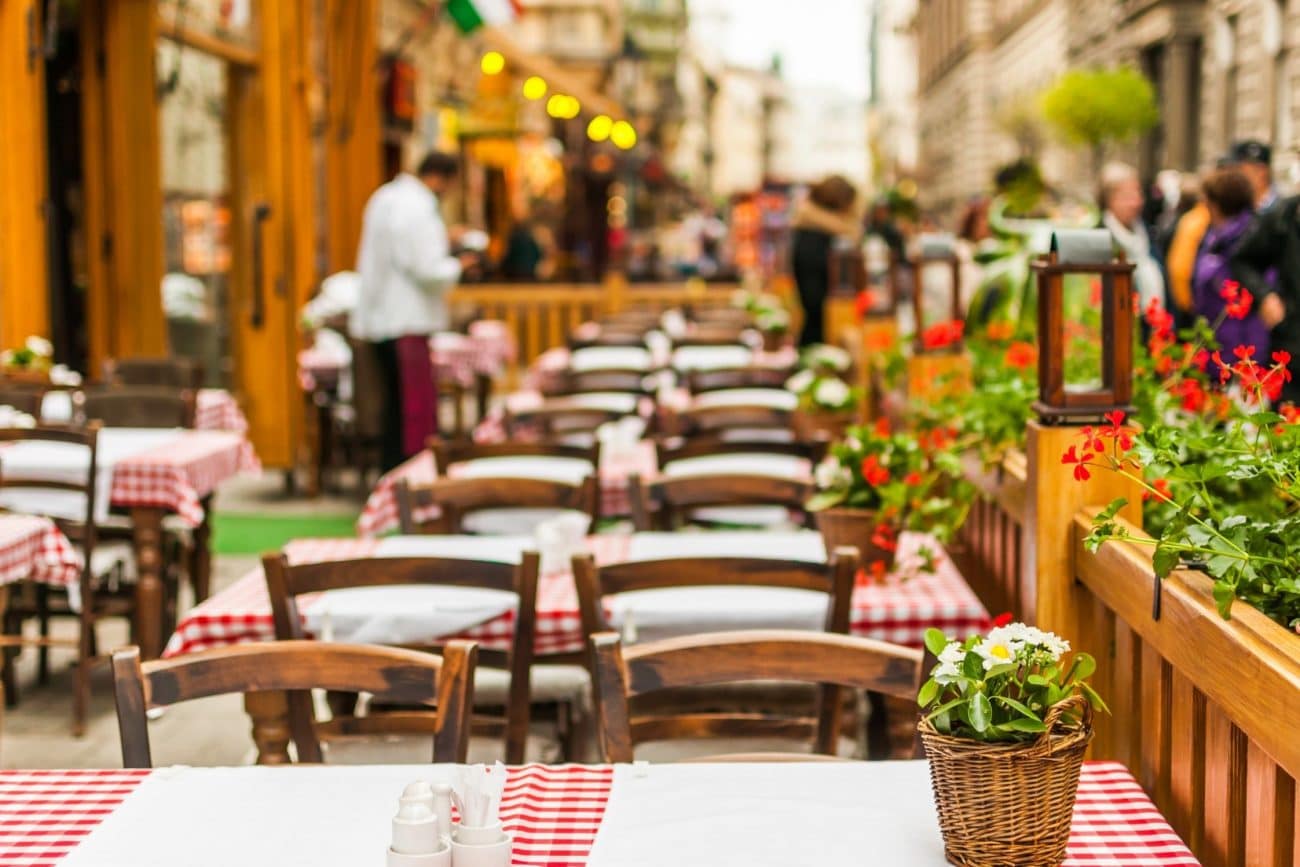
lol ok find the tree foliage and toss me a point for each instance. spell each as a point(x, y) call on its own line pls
point(1096, 107)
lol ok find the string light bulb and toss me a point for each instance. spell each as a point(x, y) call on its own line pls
point(623, 135)
point(493, 63)
point(534, 87)
point(600, 127)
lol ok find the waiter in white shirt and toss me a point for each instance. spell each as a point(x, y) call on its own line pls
point(406, 270)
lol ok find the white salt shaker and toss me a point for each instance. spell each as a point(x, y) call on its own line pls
point(415, 839)
point(442, 807)
point(488, 846)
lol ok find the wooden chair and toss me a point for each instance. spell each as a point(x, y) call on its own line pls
point(102, 586)
point(141, 406)
point(24, 398)
point(614, 334)
point(716, 419)
point(572, 424)
point(170, 372)
point(699, 381)
point(670, 502)
point(393, 674)
point(596, 381)
point(447, 453)
point(671, 450)
point(287, 582)
point(834, 578)
point(712, 335)
point(701, 661)
point(458, 499)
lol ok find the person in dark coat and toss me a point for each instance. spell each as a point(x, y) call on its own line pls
point(1273, 244)
point(1230, 198)
point(826, 215)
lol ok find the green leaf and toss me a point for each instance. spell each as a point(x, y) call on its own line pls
point(973, 666)
point(929, 692)
point(1037, 680)
point(823, 500)
point(1224, 594)
point(1084, 666)
point(1021, 724)
point(948, 707)
point(935, 641)
point(1093, 698)
point(981, 712)
point(1165, 561)
point(1015, 705)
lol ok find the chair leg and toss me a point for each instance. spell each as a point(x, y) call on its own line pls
point(566, 729)
point(878, 742)
point(12, 626)
point(81, 688)
point(43, 618)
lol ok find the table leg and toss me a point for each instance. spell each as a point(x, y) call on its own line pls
point(482, 395)
point(269, 714)
point(201, 556)
point(147, 531)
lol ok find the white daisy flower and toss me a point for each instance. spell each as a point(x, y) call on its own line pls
point(831, 393)
point(40, 346)
point(800, 382)
point(995, 653)
point(830, 474)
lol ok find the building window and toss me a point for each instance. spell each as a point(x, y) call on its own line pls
point(1230, 60)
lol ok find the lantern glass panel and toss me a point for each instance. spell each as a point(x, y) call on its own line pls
point(1082, 315)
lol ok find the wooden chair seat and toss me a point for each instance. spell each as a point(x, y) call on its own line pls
point(390, 674)
point(832, 661)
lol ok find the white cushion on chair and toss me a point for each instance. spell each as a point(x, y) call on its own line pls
point(548, 683)
point(510, 522)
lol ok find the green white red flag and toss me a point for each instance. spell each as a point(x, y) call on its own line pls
point(470, 15)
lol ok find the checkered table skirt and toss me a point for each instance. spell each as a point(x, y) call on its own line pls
point(178, 476)
point(380, 515)
point(484, 351)
point(33, 548)
point(893, 610)
point(554, 814)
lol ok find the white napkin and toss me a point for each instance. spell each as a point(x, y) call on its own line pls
point(559, 538)
point(758, 464)
point(775, 398)
point(56, 407)
point(738, 815)
point(556, 469)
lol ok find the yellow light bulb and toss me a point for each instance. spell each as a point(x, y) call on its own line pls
point(493, 63)
point(599, 127)
point(556, 105)
point(572, 108)
point(623, 135)
point(534, 87)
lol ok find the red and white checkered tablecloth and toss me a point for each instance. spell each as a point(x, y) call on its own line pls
point(217, 409)
point(178, 475)
point(484, 351)
point(33, 548)
point(894, 610)
point(553, 812)
point(380, 515)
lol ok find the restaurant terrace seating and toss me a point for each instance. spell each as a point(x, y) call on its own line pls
point(667, 503)
point(405, 676)
point(168, 371)
point(493, 505)
point(141, 406)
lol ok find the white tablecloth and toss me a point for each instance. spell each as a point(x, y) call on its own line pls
point(687, 358)
point(757, 464)
point(776, 398)
point(611, 358)
point(701, 815)
point(555, 469)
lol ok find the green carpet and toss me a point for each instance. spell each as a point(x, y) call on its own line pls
point(234, 533)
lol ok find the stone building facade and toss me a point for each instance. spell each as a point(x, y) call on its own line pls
point(1222, 70)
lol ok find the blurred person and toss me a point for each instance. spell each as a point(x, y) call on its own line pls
point(523, 253)
point(1184, 240)
point(1121, 202)
point(972, 232)
point(826, 214)
point(1230, 199)
point(1267, 263)
point(406, 269)
point(1255, 159)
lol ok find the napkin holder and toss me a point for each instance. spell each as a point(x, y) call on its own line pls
point(558, 539)
point(489, 846)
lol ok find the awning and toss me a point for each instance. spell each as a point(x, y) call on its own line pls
point(558, 80)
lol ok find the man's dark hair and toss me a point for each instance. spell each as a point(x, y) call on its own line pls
point(1229, 190)
point(440, 164)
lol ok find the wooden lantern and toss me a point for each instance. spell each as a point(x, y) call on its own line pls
point(1084, 252)
point(935, 252)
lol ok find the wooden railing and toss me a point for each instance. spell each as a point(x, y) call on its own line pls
point(990, 545)
point(542, 315)
point(1203, 710)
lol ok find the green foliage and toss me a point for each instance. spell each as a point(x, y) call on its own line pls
point(1095, 107)
point(1001, 687)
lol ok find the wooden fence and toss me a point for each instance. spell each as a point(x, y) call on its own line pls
point(1204, 711)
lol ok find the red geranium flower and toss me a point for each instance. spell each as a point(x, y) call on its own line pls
point(943, 334)
point(912, 479)
point(1162, 491)
point(872, 472)
point(885, 537)
point(1072, 456)
point(1003, 619)
point(864, 304)
point(1000, 330)
point(1021, 355)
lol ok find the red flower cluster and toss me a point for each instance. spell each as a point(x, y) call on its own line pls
point(1193, 395)
point(1160, 320)
point(1021, 355)
point(885, 537)
point(1162, 491)
point(1080, 462)
point(1003, 619)
point(873, 473)
point(912, 479)
point(864, 304)
point(935, 439)
point(1238, 300)
point(1094, 444)
point(943, 334)
point(1000, 330)
point(1256, 380)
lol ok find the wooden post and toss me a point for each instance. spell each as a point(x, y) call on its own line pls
point(24, 292)
point(1049, 594)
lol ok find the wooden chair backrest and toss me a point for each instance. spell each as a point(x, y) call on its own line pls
point(614, 334)
point(24, 398)
point(671, 499)
point(285, 582)
point(730, 657)
point(589, 381)
point(835, 578)
point(560, 421)
point(699, 381)
point(82, 530)
point(717, 418)
point(446, 453)
point(456, 498)
point(141, 406)
point(710, 444)
point(390, 674)
point(169, 372)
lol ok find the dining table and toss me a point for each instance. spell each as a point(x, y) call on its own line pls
point(830, 814)
point(898, 608)
point(149, 474)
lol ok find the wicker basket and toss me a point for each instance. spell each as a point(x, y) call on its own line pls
point(1009, 805)
point(853, 528)
point(825, 424)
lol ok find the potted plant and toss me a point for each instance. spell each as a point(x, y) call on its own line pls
point(774, 324)
point(1007, 722)
point(873, 484)
point(827, 404)
point(30, 362)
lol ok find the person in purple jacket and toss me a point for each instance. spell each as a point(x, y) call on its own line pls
point(1230, 198)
